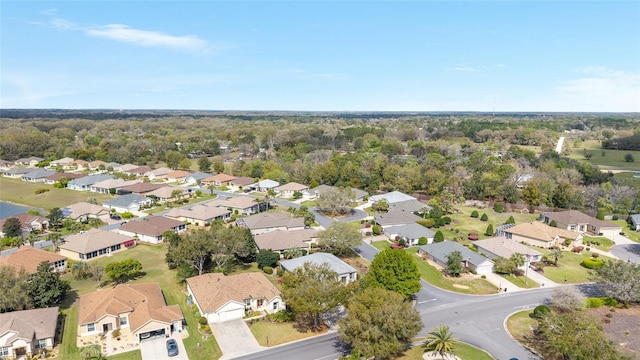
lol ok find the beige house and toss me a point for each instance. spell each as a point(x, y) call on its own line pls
point(28, 258)
point(217, 180)
point(499, 247)
point(178, 176)
point(542, 235)
point(287, 190)
point(242, 205)
point(28, 222)
point(222, 297)
point(266, 222)
point(151, 228)
point(25, 333)
point(241, 183)
point(83, 211)
point(139, 307)
point(281, 240)
point(574, 220)
point(169, 193)
point(95, 243)
point(199, 215)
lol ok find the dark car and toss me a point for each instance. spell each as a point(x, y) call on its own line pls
point(115, 217)
point(172, 347)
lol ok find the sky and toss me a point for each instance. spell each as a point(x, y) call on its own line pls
point(321, 55)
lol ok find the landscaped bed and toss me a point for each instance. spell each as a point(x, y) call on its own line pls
point(461, 350)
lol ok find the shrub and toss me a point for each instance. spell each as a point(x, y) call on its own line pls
point(592, 263)
point(267, 270)
point(567, 242)
point(593, 303)
point(376, 229)
point(595, 255)
point(474, 214)
point(610, 301)
point(553, 223)
point(115, 333)
point(447, 220)
point(202, 320)
point(577, 249)
point(438, 237)
point(426, 222)
point(511, 220)
point(40, 191)
point(483, 276)
point(498, 207)
point(489, 231)
point(283, 316)
point(484, 217)
point(127, 215)
point(279, 271)
point(614, 217)
point(473, 271)
point(541, 311)
point(205, 329)
point(362, 221)
point(423, 241)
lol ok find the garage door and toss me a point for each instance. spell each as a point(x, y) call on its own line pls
point(151, 334)
point(231, 315)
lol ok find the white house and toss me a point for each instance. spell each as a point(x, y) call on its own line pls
point(24, 333)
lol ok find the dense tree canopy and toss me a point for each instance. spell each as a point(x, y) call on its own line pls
point(394, 270)
point(340, 238)
point(15, 289)
point(12, 227)
point(46, 288)
point(619, 280)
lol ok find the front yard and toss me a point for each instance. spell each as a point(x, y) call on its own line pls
point(270, 334)
point(569, 270)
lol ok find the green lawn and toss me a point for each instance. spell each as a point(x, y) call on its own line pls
point(23, 193)
point(599, 242)
point(464, 223)
point(612, 159)
point(520, 281)
point(309, 203)
point(129, 355)
point(520, 323)
point(569, 269)
point(627, 178)
point(271, 334)
point(193, 200)
point(156, 270)
point(381, 245)
point(631, 234)
point(462, 350)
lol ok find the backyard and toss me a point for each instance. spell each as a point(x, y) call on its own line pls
point(464, 223)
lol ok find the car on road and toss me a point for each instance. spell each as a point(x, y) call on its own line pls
point(116, 217)
point(172, 347)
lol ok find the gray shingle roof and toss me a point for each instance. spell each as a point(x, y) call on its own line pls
point(91, 179)
point(30, 324)
point(392, 197)
point(411, 231)
point(319, 258)
point(38, 174)
point(126, 200)
point(442, 249)
point(635, 218)
point(396, 217)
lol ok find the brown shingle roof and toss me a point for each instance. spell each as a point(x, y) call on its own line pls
point(291, 186)
point(59, 175)
point(243, 181)
point(151, 225)
point(541, 231)
point(213, 290)
point(93, 240)
point(29, 324)
point(219, 178)
point(26, 219)
point(284, 239)
point(143, 187)
point(29, 258)
point(144, 301)
point(84, 208)
point(576, 217)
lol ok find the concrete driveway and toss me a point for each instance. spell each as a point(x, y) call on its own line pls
point(156, 348)
point(234, 338)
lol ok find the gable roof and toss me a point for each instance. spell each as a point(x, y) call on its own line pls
point(269, 220)
point(166, 192)
point(63, 161)
point(38, 174)
point(178, 174)
point(29, 324)
point(442, 249)
point(145, 302)
point(29, 159)
point(505, 247)
point(410, 206)
point(236, 202)
point(140, 170)
point(199, 175)
point(213, 290)
point(159, 171)
point(125, 201)
point(18, 171)
point(78, 209)
point(278, 240)
point(125, 167)
point(392, 197)
point(243, 181)
point(266, 183)
point(576, 217)
point(199, 212)
point(541, 231)
point(29, 258)
point(151, 225)
point(222, 177)
point(319, 258)
point(26, 220)
point(142, 187)
point(291, 186)
point(410, 231)
point(396, 217)
point(59, 175)
point(91, 179)
point(93, 240)
point(115, 183)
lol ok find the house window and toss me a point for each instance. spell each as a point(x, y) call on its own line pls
point(115, 247)
point(275, 305)
point(123, 320)
point(247, 302)
point(41, 344)
point(81, 256)
point(91, 327)
point(4, 351)
point(259, 301)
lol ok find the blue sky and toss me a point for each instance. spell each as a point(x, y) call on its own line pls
point(321, 55)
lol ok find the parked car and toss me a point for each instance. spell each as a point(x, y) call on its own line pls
point(116, 217)
point(172, 347)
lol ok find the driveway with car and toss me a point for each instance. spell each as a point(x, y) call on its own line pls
point(234, 338)
point(155, 348)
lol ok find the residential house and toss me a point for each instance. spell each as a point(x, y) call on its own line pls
point(396, 217)
point(542, 235)
point(281, 240)
point(151, 228)
point(141, 188)
point(28, 258)
point(38, 175)
point(391, 197)
point(126, 168)
point(217, 180)
point(410, 233)
point(199, 215)
point(264, 185)
point(112, 166)
point(127, 203)
point(289, 189)
point(222, 297)
point(65, 163)
point(16, 172)
point(6, 165)
point(32, 161)
point(169, 193)
point(358, 195)
point(178, 176)
point(345, 272)
point(28, 222)
point(438, 252)
point(83, 211)
point(500, 247)
point(241, 183)
point(81, 164)
point(23, 334)
point(265, 222)
point(140, 308)
point(634, 222)
point(242, 205)
point(138, 171)
point(158, 174)
point(413, 206)
point(574, 220)
point(95, 243)
point(95, 165)
point(195, 178)
point(85, 183)
point(111, 186)
point(52, 179)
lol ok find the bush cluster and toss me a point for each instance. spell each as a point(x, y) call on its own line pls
point(474, 214)
point(267, 270)
point(541, 311)
point(592, 263)
point(40, 191)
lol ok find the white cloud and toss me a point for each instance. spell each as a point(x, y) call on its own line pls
point(127, 34)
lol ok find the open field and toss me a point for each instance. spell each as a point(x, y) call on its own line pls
point(155, 270)
point(23, 193)
point(464, 223)
point(612, 159)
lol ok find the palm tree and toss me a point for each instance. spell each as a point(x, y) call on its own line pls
point(80, 270)
point(441, 341)
point(55, 238)
point(32, 238)
point(556, 254)
point(518, 259)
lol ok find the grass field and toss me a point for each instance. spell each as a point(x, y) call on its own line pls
point(155, 270)
point(462, 350)
point(23, 193)
point(612, 159)
point(520, 324)
point(520, 281)
point(464, 223)
point(569, 270)
point(631, 234)
point(271, 334)
point(598, 242)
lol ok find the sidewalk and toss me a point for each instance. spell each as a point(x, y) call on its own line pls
point(502, 283)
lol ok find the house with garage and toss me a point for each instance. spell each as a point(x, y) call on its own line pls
point(85, 183)
point(151, 228)
point(26, 333)
point(500, 247)
point(141, 188)
point(28, 223)
point(66, 163)
point(346, 273)
point(396, 217)
point(95, 243)
point(542, 235)
point(289, 189)
point(97, 165)
point(52, 179)
point(409, 233)
point(169, 193)
point(83, 211)
point(31, 162)
point(159, 174)
point(634, 222)
point(241, 183)
point(111, 186)
point(281, 240)
point(222, 297)
point(137, 308)
point(217, 180)
point(264, 185)
point(196, 178)
point(28, 258)
point(266, 222)
point(38, 175)
point(6, 164)
point(80, 165)
point(438, 252)
point(138, 171)
point(125, 168)
point(574, 220)
point(241, 205)
point(178, 176)
point(127, 203)
point(16, 173)
point(391, 197)
point(199, 215)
